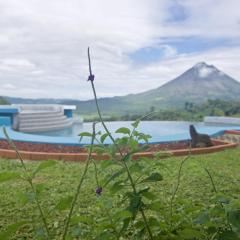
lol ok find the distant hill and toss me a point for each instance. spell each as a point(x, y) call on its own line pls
point(3, 101)
point(16, 100)
point(196, 85)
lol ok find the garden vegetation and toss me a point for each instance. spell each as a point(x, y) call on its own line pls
point(121, 198)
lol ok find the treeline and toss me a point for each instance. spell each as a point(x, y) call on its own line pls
point(3, 101)
point(190, 112)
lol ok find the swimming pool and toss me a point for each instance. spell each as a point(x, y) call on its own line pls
point(161, 131)
point(154, 128)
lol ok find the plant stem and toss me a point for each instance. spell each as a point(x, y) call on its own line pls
point(96, 173)
point(215, 190)
point(79, 184)
point(119, 150)
point(124, 163)
point(29, 180)
point(177, 187)
point(211, 179)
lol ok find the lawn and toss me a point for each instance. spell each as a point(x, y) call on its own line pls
point(198, 210)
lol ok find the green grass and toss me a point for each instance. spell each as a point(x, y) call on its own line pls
point(195, 193)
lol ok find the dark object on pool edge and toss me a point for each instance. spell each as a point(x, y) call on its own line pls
point(199, 140)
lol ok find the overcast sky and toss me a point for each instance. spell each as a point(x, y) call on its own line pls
point(136, 45)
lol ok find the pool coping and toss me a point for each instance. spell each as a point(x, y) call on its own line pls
point(79, 157)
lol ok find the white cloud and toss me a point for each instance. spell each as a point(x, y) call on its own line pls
point(204, 72)
point(43, 44)
point(12, 65)
point(8, 86)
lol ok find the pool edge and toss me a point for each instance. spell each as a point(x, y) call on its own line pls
point(79, 157)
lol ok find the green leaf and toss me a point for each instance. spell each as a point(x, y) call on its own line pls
point(222, 199)
point(30, 196)
point(115, 175)
point(7, 176)
point(135, 203)
point(144, 137)
point(154, 177)
point(76, 231)
point(117, 186)
point(234, 218)
point(228, 235)
point(202, 218)
point(133, 143)
point(189, 233)
point(146, 189)
point(84, 134)
point(122, 141)
point(45, 164)
point(11, 230)
point(123, 130)
point(64, 203)
point(103, 137)
point(82, 219)
point(139, 224)
point(127, 157)
point(40, 233)
point(149, 195)
point(104, 236)
point(155, 206)
point(121, 215)
point(126, 222)
point(153, 222)
point(136, 123)
point(112, 150)
point(136, 167)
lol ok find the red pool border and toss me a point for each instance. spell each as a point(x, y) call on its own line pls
point(78, 157)
point(234, 132)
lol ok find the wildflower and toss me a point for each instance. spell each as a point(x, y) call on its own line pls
point(91, 77)
point(98, 191)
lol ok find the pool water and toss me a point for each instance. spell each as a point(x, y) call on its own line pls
point(159, 130)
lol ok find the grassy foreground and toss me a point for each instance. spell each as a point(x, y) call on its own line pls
point(195, 197)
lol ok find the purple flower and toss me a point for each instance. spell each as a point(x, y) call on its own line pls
point(91, 77)
point(98, 191)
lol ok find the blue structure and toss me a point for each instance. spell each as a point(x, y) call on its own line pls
point(68, 110)
point(8, 115)
point(36, 118)
point(5, 121)
point(68, 113)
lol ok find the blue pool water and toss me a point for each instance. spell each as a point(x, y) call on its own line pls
point(154, 128)
point(159, 130)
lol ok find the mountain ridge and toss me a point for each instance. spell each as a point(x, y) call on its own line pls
point(197, 85)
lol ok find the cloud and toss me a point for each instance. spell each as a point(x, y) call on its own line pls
point(43, 44)
point(204, 72)
point(13, 65)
